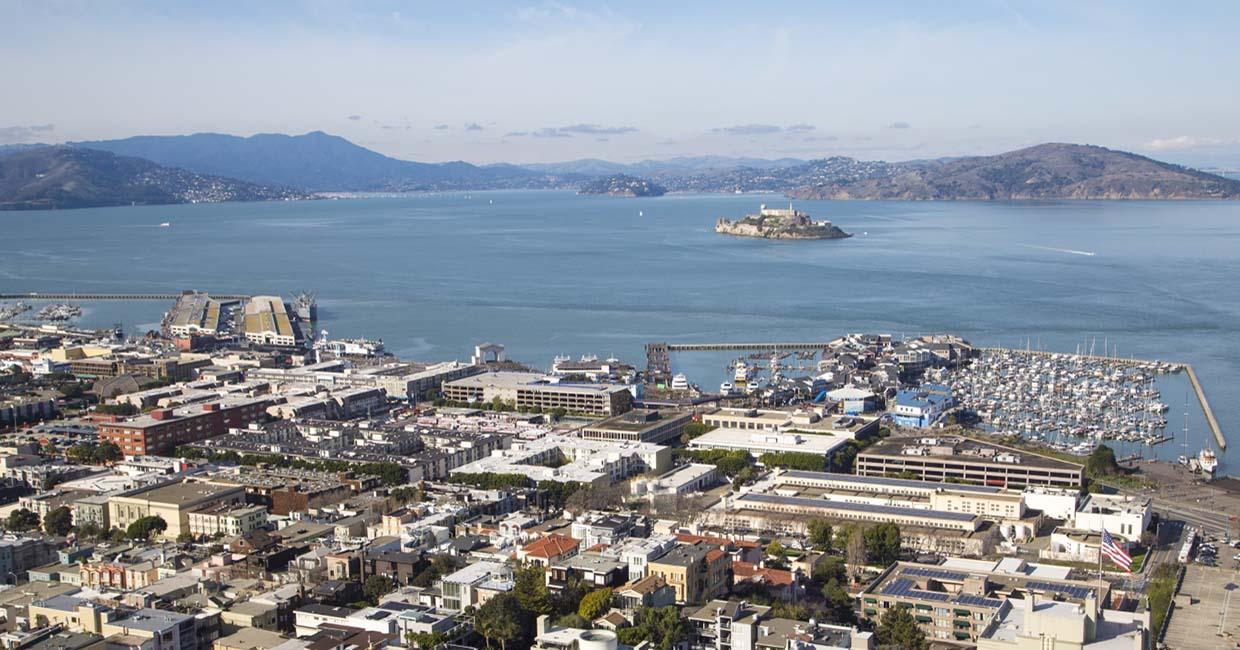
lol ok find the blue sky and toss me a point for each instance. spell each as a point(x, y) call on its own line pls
point(532, 81)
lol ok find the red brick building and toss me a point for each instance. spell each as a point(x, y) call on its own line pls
point(162, 431)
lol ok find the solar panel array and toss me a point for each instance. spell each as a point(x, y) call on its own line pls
point(1072, 591)
point(941, 574)
point(906, 587)
point(978, 601)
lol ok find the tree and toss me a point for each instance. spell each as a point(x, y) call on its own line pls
point(108, 452)
point(58, 522)
point(425, 640)
point(897, 629)
point(820, 535)
point(838, 602)
point(595, 604)
point(662, 627)
point(22, 520)
point(530, 590)
point(144, 527)
point(501, 619)
point(775, 549)
point(883, 542)
point(377, 587)
point(855, 552)
point(1101, 462)
point(185, 538)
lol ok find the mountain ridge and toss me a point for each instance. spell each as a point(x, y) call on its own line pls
point(63, 177)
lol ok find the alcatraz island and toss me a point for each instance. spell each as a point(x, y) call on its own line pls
point(777, 223)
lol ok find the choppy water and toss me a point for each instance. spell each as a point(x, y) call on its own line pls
point(550, 273)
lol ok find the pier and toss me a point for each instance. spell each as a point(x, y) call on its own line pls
point(1205, 407)
point(35, 295)
point(659, 361)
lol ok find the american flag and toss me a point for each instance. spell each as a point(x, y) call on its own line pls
point(1116, 554)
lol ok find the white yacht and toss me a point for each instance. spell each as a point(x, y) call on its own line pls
point(680, 382)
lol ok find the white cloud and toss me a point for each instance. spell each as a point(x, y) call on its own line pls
point(1188, 142)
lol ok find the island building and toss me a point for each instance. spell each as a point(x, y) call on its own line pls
point(536, 391)
point(161, 431)
point(172, 502)
point(265, 321)
point(962, 601)
point(640, 425)
point(778, 223)
point(965, 460)
point(564, 459)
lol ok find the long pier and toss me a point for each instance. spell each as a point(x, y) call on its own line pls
point(727, 347)
point(35, 295)
point(1205, 407)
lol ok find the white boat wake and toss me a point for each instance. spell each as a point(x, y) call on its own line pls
point(1062, 250)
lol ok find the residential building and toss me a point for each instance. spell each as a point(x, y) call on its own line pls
point(593, 570)
point(172, 502)
point(535, 391)
point(547, 550)
point(697, 572)
point(227, 519)
point(651, 591)
point(738, 625)
point(1037, 624)
point(19, 555)
point(958, 600)
point(563, 459)
point(161, 431)
point(475, 584)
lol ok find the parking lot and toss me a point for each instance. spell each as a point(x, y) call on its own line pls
point(1212, 619)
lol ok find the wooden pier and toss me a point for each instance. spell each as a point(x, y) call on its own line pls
point(35, 295)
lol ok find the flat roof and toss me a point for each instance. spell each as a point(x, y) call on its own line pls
point(183, 493)
point(855, 507)
point(811, 443)
point(965, 450)
point(890, 482)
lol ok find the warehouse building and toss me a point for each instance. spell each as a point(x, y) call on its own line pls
point(640, 425)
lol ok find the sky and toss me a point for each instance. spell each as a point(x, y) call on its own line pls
point(539, 82)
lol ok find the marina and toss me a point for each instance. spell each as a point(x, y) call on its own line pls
point(1073, 402)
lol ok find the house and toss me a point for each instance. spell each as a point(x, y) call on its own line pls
point(698, 572)
point(547, 550)
point(651, 591)
point(778, 583)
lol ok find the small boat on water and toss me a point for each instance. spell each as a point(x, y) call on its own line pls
point(1208, 461)
point(726, 388)
point(165, 224)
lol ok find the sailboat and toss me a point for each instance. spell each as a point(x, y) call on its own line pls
point(1184, 456)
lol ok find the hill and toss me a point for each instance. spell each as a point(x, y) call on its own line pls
point(622, 185)
point(72, 177)
point(1047, 171)
point(313, 161)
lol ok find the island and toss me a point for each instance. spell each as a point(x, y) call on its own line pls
point(622, 185)
point(777, 223)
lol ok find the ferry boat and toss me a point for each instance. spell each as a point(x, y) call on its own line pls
point(680, 382)
point(741, 374)
point(1208, 461)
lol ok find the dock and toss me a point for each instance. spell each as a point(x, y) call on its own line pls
point(1205, 407)
point(35, 295)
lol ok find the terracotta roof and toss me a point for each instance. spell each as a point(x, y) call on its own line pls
point(714, 554)
point(553, 545)
point(646, 585)
point(749, 572)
